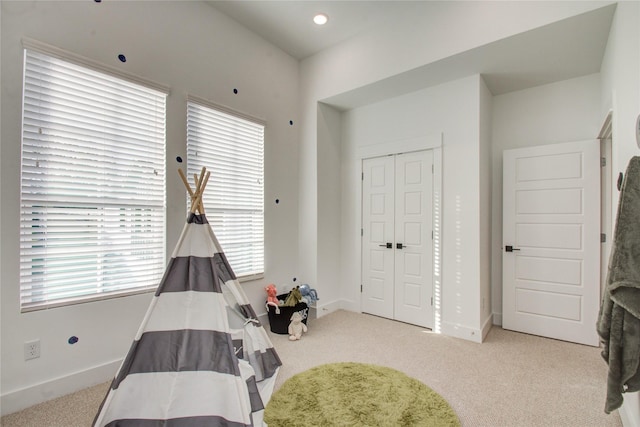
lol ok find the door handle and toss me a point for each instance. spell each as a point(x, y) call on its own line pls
point(510, 248)
point(399, 246)
point(387, 245)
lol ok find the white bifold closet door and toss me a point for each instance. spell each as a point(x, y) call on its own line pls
point(397, 238)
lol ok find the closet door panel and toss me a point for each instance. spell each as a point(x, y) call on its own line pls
point(378, 204)
point(413, 278)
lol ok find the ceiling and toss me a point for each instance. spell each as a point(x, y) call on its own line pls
point(566, 49)
point(289, 24)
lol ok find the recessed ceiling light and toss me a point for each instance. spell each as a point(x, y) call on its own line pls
point(320, 19)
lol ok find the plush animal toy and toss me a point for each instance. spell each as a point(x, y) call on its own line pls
point(293, 298)
point(272, 298)
point(296, 327)
point(310, 296)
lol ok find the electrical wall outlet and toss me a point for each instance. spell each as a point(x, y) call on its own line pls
point(31, 349)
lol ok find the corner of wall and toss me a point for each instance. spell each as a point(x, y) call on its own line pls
point(497, 319)
point(486, 198)
point(486, 326)
point(329, 194)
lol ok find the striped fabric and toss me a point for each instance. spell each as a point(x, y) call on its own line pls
point(200, 357)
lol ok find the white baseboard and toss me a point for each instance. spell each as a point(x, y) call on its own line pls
point(350, 305)
point(330, 307)
point(460, 331)
point(17, 400)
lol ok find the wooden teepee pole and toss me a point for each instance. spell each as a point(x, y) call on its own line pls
point(200, 185)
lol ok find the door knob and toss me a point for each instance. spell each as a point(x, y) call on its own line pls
point(399, 246)
point(510, 248)
point(387, 245)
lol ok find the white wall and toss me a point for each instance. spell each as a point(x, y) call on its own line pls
point(436, 31)
point(1, 287)
point(559, 112)
point(450, 110)
point(621, 84)
point(621, 92)
point(330, 192)
point(486, 109)
point(191, 48)
point(384, 52)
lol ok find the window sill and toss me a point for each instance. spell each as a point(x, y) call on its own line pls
point(250, 277)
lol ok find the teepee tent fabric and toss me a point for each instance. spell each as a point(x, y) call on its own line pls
point(200, 357)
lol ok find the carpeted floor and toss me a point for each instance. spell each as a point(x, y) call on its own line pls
point(357, 394)
point(510, 380)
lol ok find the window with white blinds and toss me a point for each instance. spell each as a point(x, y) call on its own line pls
point(231, 147)
point(92, 209)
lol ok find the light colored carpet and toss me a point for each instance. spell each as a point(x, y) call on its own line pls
point(511, 379)
point(357, 394)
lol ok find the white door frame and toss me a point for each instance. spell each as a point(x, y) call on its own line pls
point(606, 189)
point(427, 142)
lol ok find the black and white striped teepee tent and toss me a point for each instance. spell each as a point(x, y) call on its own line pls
point(200, 357)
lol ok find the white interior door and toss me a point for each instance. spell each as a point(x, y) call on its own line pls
point(414, 248)
point(397, 245)
point(378, 206)
point(551, 240)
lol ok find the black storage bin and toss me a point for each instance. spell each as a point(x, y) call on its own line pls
point(279, 323)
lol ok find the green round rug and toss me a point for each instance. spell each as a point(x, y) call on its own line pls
point(356, 394)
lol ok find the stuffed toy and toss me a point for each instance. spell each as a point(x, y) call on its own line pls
point(272, 298)
point(310, 296)
point(296, 327)
point(293, 298)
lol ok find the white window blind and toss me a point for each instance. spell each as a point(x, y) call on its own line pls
point(93, 185)
point(231, 147)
